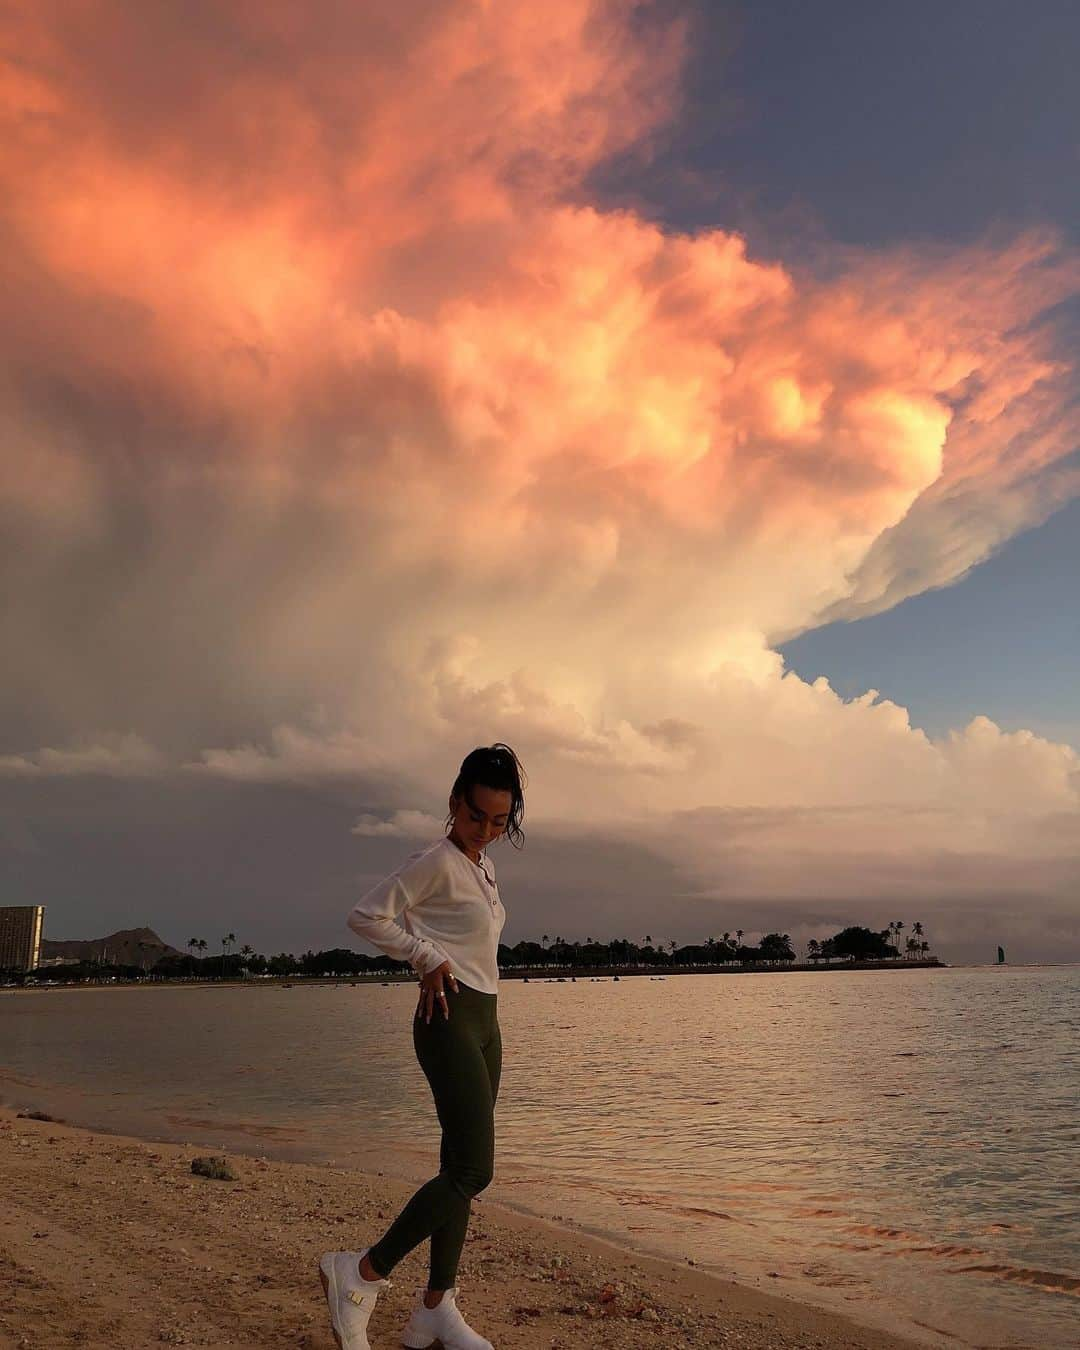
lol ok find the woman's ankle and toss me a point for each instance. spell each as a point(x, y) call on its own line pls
point(367, 1270)
point(433, 1297)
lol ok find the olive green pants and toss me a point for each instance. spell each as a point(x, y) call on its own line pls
point(462, 1059)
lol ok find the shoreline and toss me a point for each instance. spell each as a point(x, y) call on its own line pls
point(530, 975)
point(109, 1239)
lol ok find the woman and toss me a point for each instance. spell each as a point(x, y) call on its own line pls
point(451, 918)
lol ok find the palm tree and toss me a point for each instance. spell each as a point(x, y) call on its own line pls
point(813, 949)
point(738, 936)
point(198, 946)
point(917, 931)
point(229, 940)
point(247, 951)
point(899, 925)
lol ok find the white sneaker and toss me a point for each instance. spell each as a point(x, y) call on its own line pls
point(443, 1323)
point(350, 1297)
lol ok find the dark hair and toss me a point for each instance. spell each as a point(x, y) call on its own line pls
point(497, 767)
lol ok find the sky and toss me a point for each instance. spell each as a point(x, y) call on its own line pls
point(683, 394)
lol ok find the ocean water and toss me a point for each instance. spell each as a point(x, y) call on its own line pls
point(901, 1146)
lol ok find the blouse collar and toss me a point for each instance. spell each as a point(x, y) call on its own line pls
point(482, 864)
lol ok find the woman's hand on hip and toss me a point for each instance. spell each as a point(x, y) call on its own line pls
point(433, 991)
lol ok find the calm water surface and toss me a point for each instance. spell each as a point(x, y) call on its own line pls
point(902, 1146)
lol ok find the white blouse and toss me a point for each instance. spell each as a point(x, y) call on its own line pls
point(449, 908)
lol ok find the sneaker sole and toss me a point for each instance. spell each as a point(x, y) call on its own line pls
point(326, 1291)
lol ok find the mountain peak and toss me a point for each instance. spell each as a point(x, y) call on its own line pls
point(127, 946)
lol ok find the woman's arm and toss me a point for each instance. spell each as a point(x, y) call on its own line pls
point(374, 914)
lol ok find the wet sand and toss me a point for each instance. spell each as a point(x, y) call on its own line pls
point(111, 1241)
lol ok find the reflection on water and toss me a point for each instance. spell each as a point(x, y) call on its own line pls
point(899, 1145)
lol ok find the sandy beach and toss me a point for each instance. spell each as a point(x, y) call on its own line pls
point(112, 1241)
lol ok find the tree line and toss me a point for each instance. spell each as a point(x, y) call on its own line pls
point(774, 949)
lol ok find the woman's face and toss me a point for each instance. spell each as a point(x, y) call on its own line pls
point(480, 816)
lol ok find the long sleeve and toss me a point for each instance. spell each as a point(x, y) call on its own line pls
point(373, 918)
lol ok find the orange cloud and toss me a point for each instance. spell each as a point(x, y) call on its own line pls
point(321, 362)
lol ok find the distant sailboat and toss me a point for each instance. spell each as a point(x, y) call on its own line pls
point(1001, 956)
